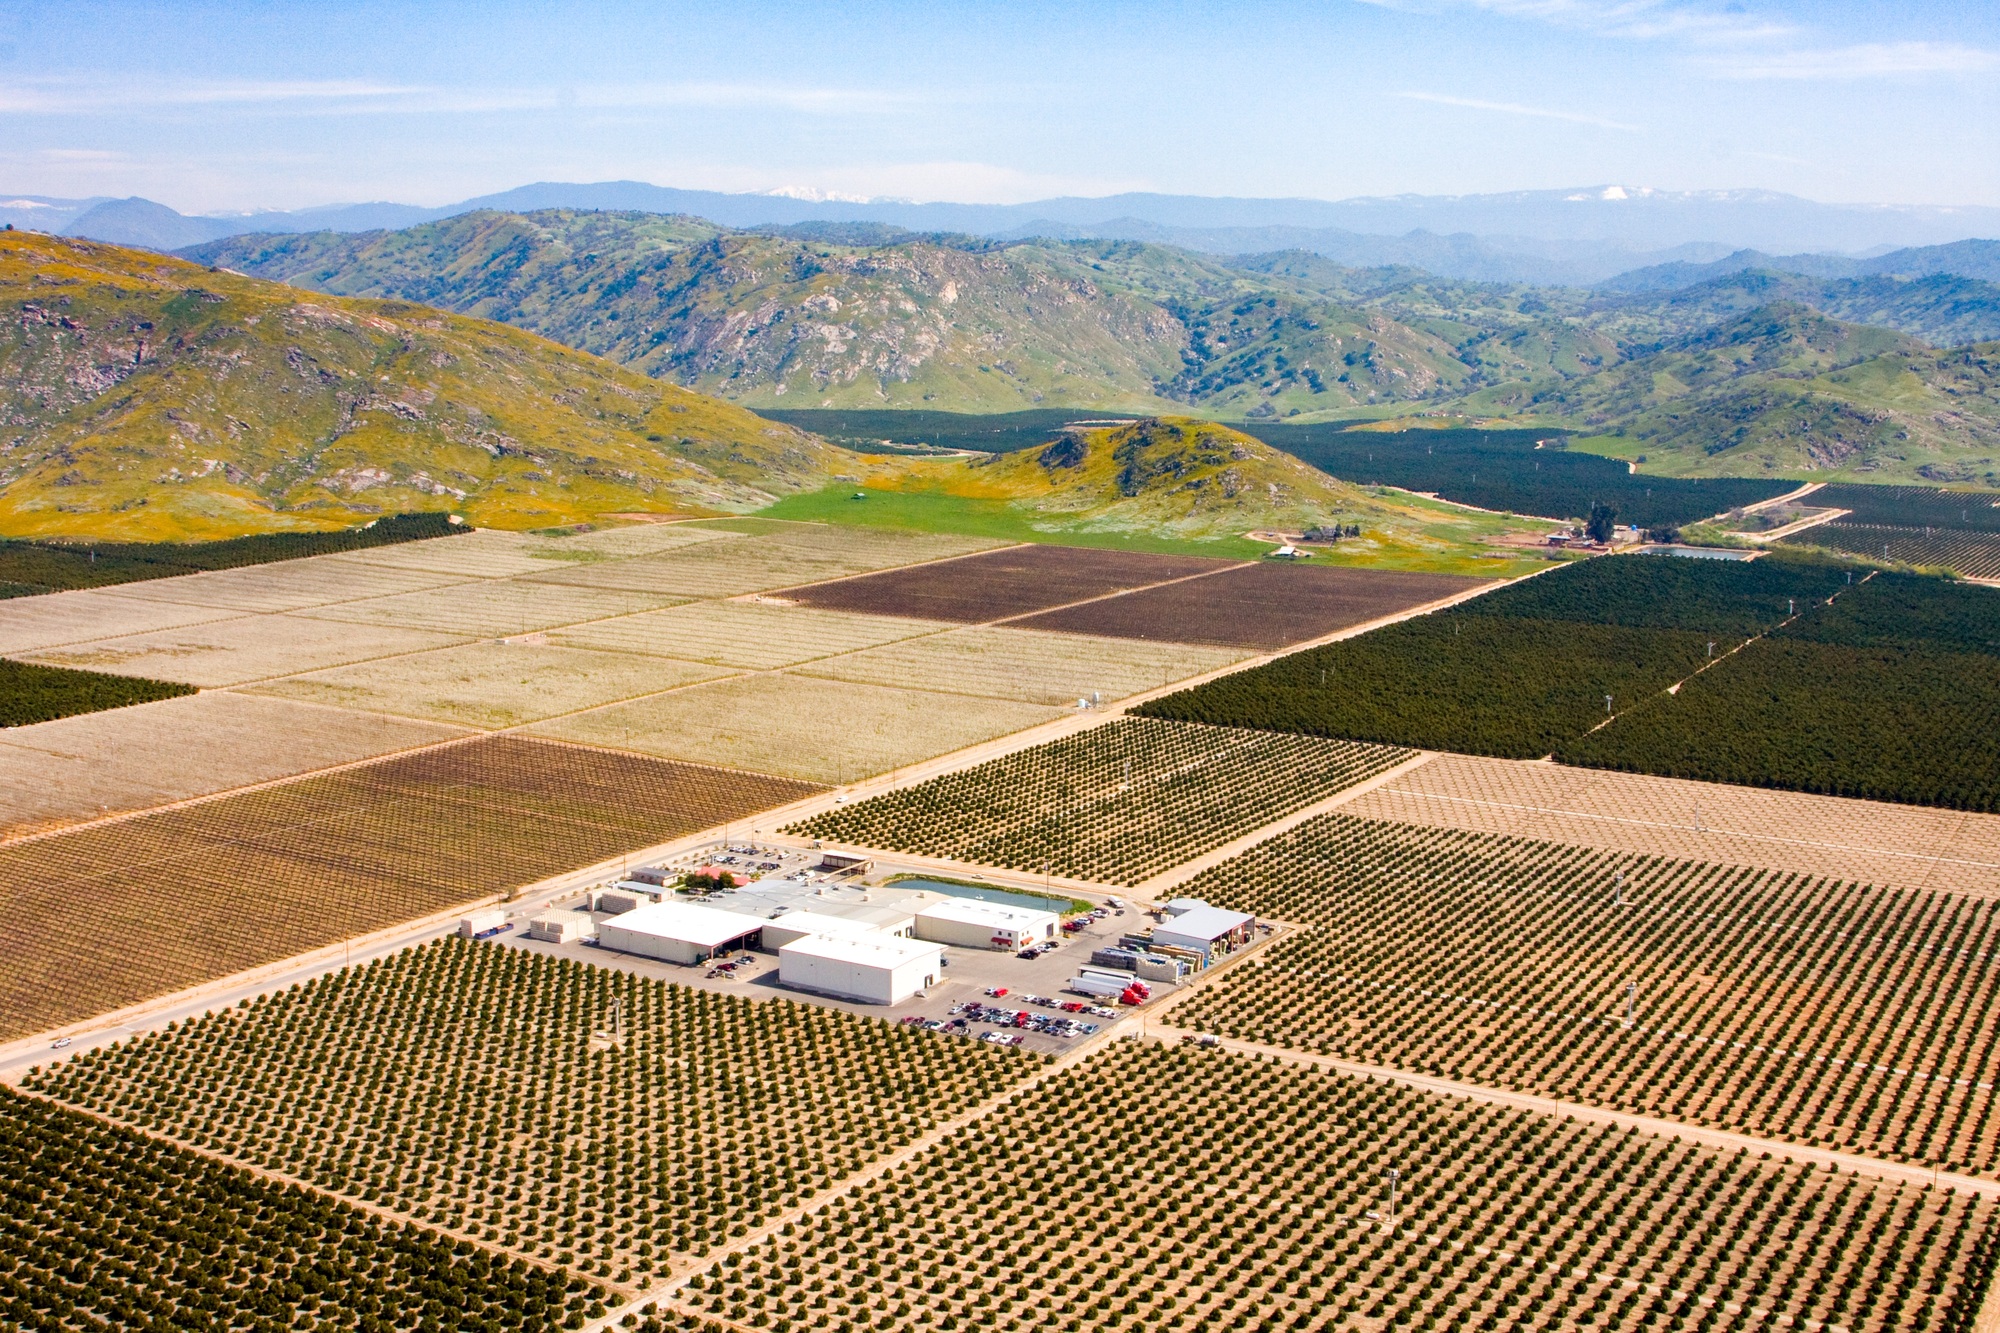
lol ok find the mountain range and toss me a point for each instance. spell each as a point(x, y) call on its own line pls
point(1749, 372)
point(1569, 236)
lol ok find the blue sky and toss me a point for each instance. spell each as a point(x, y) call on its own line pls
point(238, 105)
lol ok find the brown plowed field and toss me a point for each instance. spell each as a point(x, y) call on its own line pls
point(1255, 606)
point(120, 912)
point(998, 584)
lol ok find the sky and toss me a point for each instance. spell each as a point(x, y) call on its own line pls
point(238, 106)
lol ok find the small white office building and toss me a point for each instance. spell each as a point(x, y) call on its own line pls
point(973, 923)
point(678, 932)
point(871, 968)
point(1206, 930)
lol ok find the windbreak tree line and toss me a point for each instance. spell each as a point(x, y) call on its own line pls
point(104, 1229)
point(28, 568)
point(1854, 682)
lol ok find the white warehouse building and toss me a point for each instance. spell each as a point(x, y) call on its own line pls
point(679, 932)
point(873, 968)
point(782, 930)
point(974, 923)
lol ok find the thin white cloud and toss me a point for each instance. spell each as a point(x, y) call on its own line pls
point(1635, 19)
point(354, 97)
point(1868, 60)
point(1518, 109)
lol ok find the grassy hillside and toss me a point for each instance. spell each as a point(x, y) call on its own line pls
point(146, 398)
point(1171, 483)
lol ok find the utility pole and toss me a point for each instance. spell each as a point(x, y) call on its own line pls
point(1619, 885)
point(1395, 1178)
point(1631, 990)
point(1607, 705)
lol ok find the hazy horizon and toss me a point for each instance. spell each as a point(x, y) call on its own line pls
point(227, 107)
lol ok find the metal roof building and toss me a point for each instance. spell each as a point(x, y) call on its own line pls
point(782, 930)
point(974, 923)
point(1202, 929)
point(872, 968)
point(679, 932)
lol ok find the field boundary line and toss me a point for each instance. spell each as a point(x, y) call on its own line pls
point(1793, 529)
point(1131, 1026)
point(117, 1024)
point(451, 581)
point(1928, 858)
point(379, 1211)
point(870, 573)
point(1721, 1139)
point(1187, 870)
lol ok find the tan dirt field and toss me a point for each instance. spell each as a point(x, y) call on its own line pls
point(495, 608)
point(796, 726)
point(235, 652)
point(1028, 665)
point(29, 623)
point(490, 685)
point(478, 555)
point(78, 768)
point(760, 563)
point(286, 585)
point(1871, 842)
point(758, 636)
point(621, 543)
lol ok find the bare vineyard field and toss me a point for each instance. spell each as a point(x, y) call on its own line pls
point(1163, 1188)
point(1115, 804)
point(163, 901)
point(491, 685)
point(1782, 1005)
point(460, 1083)
point(29, 623)
point(1256, 606)
point(756, 564)
point(1872, 842)
point(1004, 583)
point(235, 652)
point(830, 731)
point(101, 1228)
point(486, 554)
point(758, 636)
point(1006, 663)
point(78, 768)
point(287, 585)
point(494, 608)
point(1973, 554)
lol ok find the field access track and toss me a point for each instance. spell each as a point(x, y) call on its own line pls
point(995, 585)
point(1265, 606)
point(158, 902)
point(1785, 1006)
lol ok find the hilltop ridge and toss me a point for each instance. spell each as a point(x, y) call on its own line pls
point(144, 398)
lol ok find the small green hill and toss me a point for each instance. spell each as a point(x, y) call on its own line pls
point(1192, 483)
point(147, 398)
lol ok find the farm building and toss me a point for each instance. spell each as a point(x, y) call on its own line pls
point(889, 918)
point(782, 930)
point(557, 926)
point(1206, 930)
point(875, 969)
point(680, 932)
point(1180, 906)
point(976, 924)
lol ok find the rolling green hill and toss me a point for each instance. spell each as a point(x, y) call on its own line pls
point(147, 398)
point(1174, 483)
